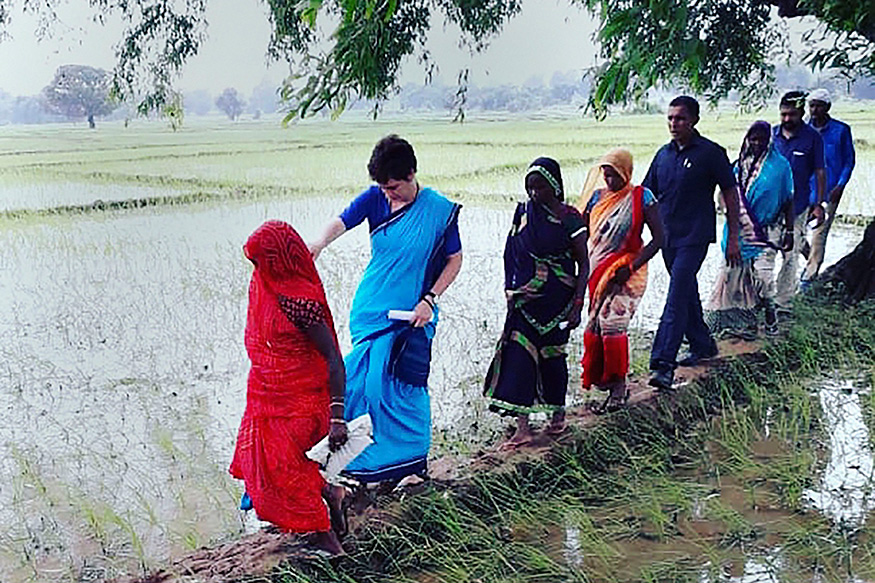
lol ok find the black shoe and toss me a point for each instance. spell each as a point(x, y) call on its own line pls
point(693, 358)
point(662, 379)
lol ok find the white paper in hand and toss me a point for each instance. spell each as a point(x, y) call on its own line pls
point(360, 435)
point(406, 315)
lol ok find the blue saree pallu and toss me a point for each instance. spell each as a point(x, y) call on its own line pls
point(406, 258)
point(767, 191)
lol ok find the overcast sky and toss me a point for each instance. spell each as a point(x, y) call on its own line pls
point(547, 36)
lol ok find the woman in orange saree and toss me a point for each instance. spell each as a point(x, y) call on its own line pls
point(615, 212)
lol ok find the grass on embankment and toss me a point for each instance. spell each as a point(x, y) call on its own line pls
point(632, 488)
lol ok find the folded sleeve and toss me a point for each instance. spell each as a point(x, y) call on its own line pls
point(453, 243)
point(573, 222)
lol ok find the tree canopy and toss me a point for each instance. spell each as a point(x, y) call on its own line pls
point(342, 50)
point(714, 47)
point(79, 91)
point(230, 103)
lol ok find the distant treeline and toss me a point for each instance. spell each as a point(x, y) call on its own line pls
point(561, 89)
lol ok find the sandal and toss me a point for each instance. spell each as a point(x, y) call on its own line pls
point(611, 404)
point(557, 424)
point(554, 430)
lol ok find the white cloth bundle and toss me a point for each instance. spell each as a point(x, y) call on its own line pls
point(360, 433)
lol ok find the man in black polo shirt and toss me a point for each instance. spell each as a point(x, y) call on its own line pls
point(683, 176)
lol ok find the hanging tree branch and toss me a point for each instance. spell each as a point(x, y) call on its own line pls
point(343, 50)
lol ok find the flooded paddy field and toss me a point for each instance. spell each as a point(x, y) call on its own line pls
point(122, 378)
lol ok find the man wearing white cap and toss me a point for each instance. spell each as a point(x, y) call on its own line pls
point(839, 158)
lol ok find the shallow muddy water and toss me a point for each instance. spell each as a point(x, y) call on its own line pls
point(772, 543)
point(844, 493)
point(126, 380)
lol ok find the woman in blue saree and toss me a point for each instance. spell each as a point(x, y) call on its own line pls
point(765, 189)
point(416, 254)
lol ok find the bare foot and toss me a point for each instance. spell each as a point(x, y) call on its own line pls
point(557, 423)
point(327, 542)
point(521, 437)
point(335, 496)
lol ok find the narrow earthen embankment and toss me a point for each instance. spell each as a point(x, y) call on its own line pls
point(467, 512)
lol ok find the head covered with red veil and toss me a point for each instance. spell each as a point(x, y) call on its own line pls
point(284, 265)
point(287, 396)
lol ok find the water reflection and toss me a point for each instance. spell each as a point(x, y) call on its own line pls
point(571, 551)
point(845, 491)
point(764, 568)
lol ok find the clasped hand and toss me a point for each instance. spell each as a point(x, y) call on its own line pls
point(619, 279)
point(337, 434)
point(422, 314)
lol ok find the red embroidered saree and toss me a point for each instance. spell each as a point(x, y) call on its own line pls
point(287, 398)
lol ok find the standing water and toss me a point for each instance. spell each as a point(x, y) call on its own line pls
point(845, 493)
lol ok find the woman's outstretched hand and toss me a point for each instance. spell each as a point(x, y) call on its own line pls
point(337, 434)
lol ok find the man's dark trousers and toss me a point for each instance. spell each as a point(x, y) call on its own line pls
point(682, 315)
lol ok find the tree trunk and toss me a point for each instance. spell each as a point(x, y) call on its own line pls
point(91, 123)
point(856, 270)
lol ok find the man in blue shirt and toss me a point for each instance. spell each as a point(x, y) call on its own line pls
point(803, 148)
point(683, 176)
point(839, 158)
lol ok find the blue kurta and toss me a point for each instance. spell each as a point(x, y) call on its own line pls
point(839, 156)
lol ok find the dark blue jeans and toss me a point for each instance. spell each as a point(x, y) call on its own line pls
point(682, 315)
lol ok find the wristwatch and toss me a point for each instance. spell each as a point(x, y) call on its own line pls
point(432, 297)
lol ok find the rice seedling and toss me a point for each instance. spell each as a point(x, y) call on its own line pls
point(124, 287)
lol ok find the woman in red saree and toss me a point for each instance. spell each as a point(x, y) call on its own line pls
point(615, 212)
point(295, 388)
